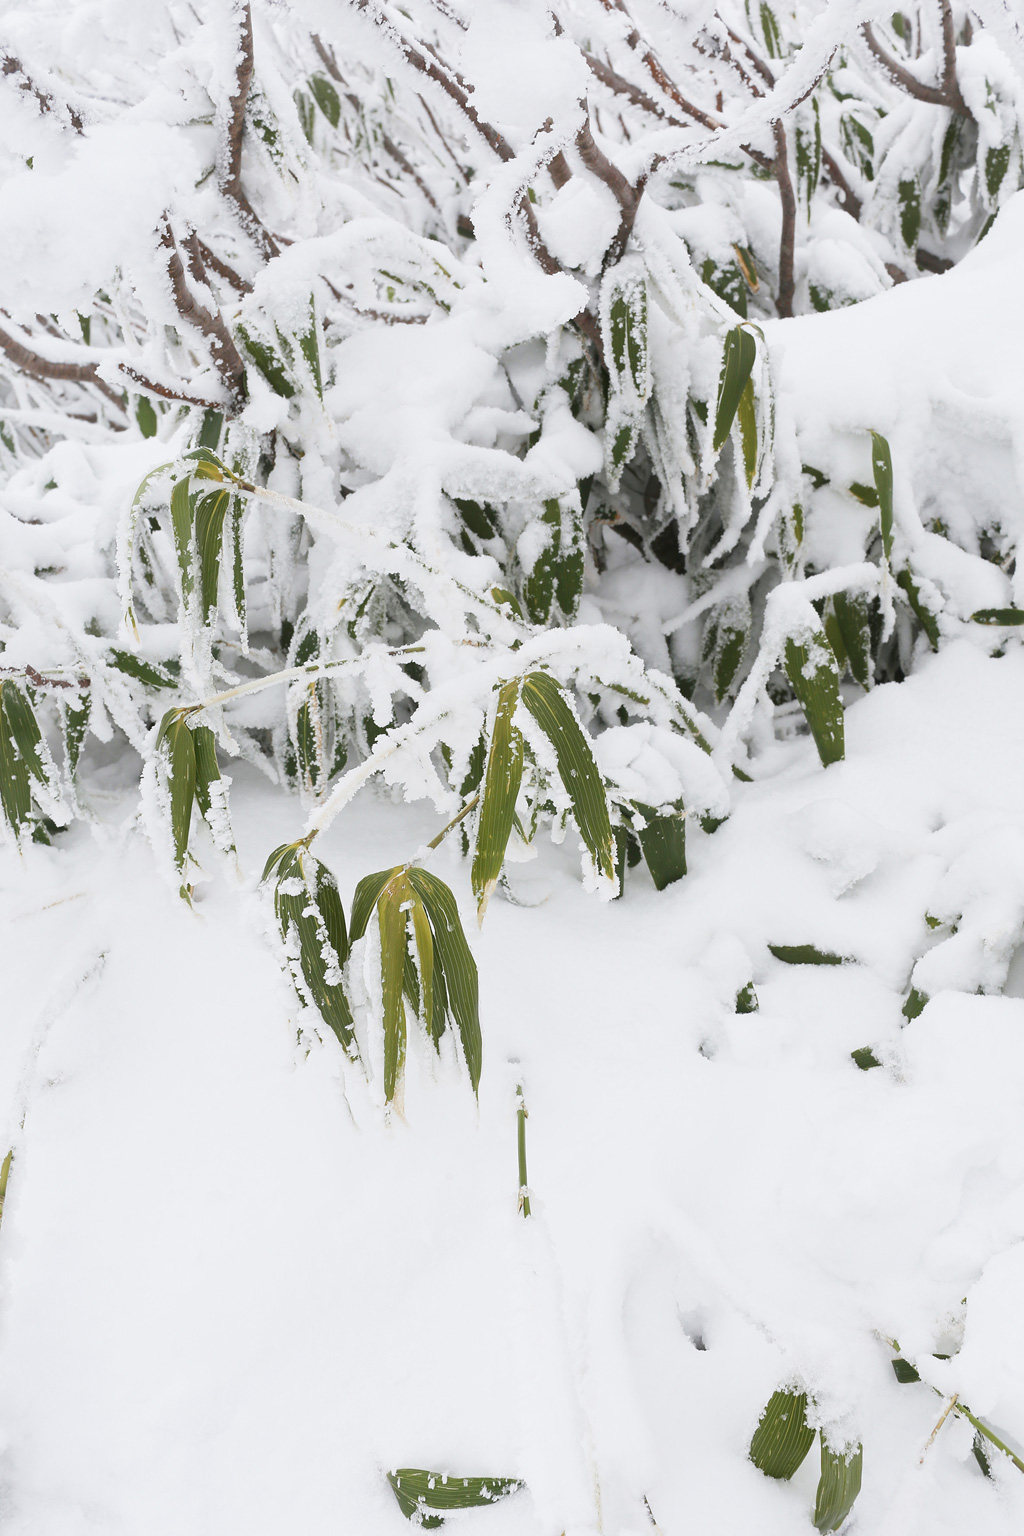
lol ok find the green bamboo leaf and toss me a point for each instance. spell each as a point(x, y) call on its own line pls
point(206, 465)
point(737, 366)
point(425, 953)
point(998, 616)
point(498, 803)
point(851, 616)
point(181, 524)
point(782, 1438)
point(306, 899)
point(182, 775)
point(15, 795)
point(997, 162)
point(326, 98)
point(804, 954)
point(557, 573)
point(929, 623)
point(74, 719)
point(881, 464)
point(141, 671)
point(915, 1004)
point(453, 957)
point(309, 346)
point(577, 769)
point(838, 1486)
point(628, 316)
point(391, 920)
point(209, 524)
point(746, 999)
point(910, 211)
point(237, 570)
point(25, 731)
point(418, 1492)
point(865, 1058)
point(748, 430)
point(904, 1371)
point(269, 363)
point(663, 845)
point(145, 415)
point(814, 674)
point(365, 899)
point(207, 774)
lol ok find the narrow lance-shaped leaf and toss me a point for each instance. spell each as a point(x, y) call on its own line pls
point(25, 729)
point(748, 431)
point(15, 796)
point(181, 524)
point(211, 806)
point(182, 776)
point(391, 920)
point(453, 958)
point(782, 1438)
point(737, 366)
point(498, 803)
point(306, 899)
point(365, 899)
point(812, 670)
point(209, 524)
point(881, 464)
point(851, 616)
point(838, 1486)
point(425, 953)
point(663, 845)
point(577, 769)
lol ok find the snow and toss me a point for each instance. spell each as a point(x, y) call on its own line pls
point(233, 1295)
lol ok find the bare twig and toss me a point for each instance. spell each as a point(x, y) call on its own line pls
point(847, 196)
point(42, 368)
point(213, 261)
point(166, 391)
point(627, 196)
point(231, 178)
point(787, 197)
point(946, 95)
point(223, 351)
point(9, 65)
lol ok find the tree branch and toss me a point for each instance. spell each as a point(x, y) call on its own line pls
point(946, 95)
point(154, 387)
point(9, 65)
point(71, 373)
point(847, 196)
point(213, 261)
point(223, 351)
point(231, 179)
point(627, 196)
point(787, 197)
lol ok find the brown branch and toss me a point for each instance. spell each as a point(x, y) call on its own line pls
point(231, 178)
point(223, 351)
point(558, 169)
point(946, 95)
point(213, 261)
point(950, 84)
point(13, 66)
point(627, 196)
point(787, 197)
point(153, 387)
point(755, 59)
point(847, 196)
point(42, 368)
point(623, 87)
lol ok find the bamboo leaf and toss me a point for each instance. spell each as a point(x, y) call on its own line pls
point(881, 464)
point(814, 674)
point(25, 731)
point(746, 999)
point(782, 1438)
point(5, 1173)
point(998, 616)
point(929, 623)
point(418, 1492)
point(737, 366)
point(141, 671)
point(74, 719)
point(15, 796)
point(209, 524)
point(182, 776)
point(306, 900)
point(425, 953)
point(326, 98)
point(663, 845)
point(838, 1486)
point(904, 1371)
point(498, 804)
point(365, 899)
point(577, 769)
point(391, 920)
point(804, 954)
point(748, 431)
point(181, 524)
point(865, 1058)
point(453, 957)
point(851, 616)
point(205, 463)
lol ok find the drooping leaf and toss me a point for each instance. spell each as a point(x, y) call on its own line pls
point(365, 899)
point(851, 617)
point(212, 808)
point(269, 363)
point(209, 525)
point(577, 769)
point(15, 795)
point(181, 525)
point(181, 772)
point(881, 464)
point(141, 671)
point(929, 623)
point(5, 1173)
point(145, 415)
point(391, 920)
point(326, 98)
point(557, 572)
point(782, 1438)
point(909, 193)
point(498, 801)
point(74, 718)
point(419, 1492)
point(814, 674)
point(309, 346)
point(737, 366)
point(452, 957)
point(748, 431)
point(306, 900)
point(838, 1486)
point(28, 738)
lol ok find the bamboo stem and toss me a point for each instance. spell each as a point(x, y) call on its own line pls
point(521, 1114)
point(435, 842)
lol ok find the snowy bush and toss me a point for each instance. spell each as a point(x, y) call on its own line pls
point(475, 399)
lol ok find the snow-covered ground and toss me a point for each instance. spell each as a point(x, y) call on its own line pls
point(233, 1297)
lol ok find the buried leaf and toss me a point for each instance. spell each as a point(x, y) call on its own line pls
point(419, 1492)
point(663, 845)
point(782, 1438)
point(998, 616)
point(814, 676)
point(865, 1058)
point(838, 1486)
point(498, 803)
point(904, 1371)
point(746, 999)
point(804, 954)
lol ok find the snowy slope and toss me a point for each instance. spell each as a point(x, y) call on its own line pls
point(232, 1298)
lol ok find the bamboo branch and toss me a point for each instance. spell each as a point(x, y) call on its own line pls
point(627, 196)
point(41, 368)
point(847, 196)
point(946, 95)
point(787, 197)
point(215, 264)
point(224, 353)
point(166, 391)
point(231, 178)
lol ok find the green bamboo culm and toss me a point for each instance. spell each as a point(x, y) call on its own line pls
point(521, 1113)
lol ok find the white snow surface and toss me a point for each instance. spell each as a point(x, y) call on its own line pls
point(233, 1296)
